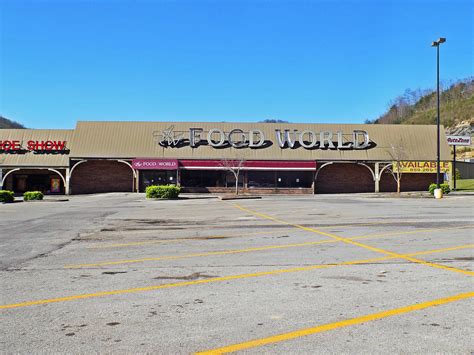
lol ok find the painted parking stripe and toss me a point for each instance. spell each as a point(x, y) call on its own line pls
point(220, 279)
point(222, 236)
point(355, 243)
point(331, 326)
point(227, 252)
point(389, 234)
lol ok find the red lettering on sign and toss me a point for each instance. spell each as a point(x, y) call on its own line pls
point(10, 145)
point(16, 145)
point(60, 145)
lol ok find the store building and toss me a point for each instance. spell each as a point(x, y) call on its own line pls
point(35, 160)
point(203, 156)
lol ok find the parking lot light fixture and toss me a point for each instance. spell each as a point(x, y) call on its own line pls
point(437, 44)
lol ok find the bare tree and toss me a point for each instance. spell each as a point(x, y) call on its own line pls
point(233, 166)
point(397, 153)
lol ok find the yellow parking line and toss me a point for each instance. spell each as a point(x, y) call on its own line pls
point(223, 236)
point(361, 245)
point(235, 251)
point(335, 325)
point(184, 239)
point(163, 241)
point(174, 257)
point(220, 279)
point(366, 236)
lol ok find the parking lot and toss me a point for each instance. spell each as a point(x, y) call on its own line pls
point(354, 273)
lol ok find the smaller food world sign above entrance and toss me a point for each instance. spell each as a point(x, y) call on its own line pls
point(256, 139)
point(155, 164)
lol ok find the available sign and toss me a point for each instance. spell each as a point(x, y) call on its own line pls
point(155, 164)
point(459, 140)
point(421, 167)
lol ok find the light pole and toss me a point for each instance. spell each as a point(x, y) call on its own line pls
point(437, 44)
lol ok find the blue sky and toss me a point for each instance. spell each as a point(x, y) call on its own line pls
point(301, 61)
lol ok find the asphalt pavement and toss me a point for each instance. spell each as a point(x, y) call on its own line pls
point(357, 273)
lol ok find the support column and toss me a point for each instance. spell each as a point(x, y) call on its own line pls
point(67, 190)
point(377, 177)
point(453, 170)
point(137, 181)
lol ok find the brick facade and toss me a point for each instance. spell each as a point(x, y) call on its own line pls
point(409, 182)
point(350, 177)
point(254, 191)
point(111, 176)
point(344, 178)
point(101, 176)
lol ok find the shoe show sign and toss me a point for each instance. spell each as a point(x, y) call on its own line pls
point(255, 139)
point(32, 146)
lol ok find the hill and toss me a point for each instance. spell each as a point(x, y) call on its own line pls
point(419, 107)
point(6, 123)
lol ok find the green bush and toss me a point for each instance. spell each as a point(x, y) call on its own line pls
point(457, 174)
point(6, 196)
point(32, 196)
point(166, 192)
point(444, 187)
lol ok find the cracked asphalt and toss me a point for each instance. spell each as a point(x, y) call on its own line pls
point(116, 273)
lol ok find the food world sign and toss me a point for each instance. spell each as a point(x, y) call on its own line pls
point(155, 164)
point(459, 140)
point(421, 167)
point(256, 139)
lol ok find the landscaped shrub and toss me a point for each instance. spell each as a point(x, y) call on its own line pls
point(167, 192)
point(6, 196)
point(457, 174)
point(444, 187)
point(32, 196)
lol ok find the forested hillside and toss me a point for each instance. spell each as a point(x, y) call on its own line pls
point(419, 107)
point(6, 123)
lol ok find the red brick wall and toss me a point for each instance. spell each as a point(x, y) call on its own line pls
point(409, 182)
point(253, 191)
point(97, 176)
point(344, 178)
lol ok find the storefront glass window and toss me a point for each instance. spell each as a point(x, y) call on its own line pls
point(261, 179)
point(230, 179)
point(202, 178)
point(157, 177)
point(294, 178)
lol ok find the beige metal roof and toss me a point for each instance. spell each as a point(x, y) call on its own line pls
point(138, 140)
point(32, 159)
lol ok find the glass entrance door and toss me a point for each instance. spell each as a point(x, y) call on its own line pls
point(157, 177)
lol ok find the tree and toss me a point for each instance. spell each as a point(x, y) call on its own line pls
point(233, 166)
point(397, 153)
point(271, 120)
